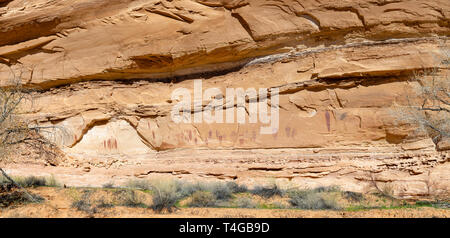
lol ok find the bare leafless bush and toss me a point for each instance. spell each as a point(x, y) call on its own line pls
point(428, 107)
point(16, 131)
point(165, 195)
point(385, 189)
point(435, 189)
point(313, 199)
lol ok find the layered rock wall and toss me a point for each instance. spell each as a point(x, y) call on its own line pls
point(105, 72)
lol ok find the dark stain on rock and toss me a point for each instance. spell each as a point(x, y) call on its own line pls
point(327, 118)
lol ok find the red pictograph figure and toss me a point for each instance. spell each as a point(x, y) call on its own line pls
point(110, 144)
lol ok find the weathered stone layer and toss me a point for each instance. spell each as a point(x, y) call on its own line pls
point(105, 71)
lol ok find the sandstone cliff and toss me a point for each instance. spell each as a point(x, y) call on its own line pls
point(105, 71)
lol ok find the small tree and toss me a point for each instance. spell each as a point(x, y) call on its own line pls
point(17, 131)
point(429, 107)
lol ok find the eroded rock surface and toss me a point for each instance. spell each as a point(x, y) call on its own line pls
point(106, 70)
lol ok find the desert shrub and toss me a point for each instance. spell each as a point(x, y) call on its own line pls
point(353, 196)
point(312, 200)
point(108, 185)
point(424, 203)
point(279, 205)
point(202, 199)
point(268, 191)
point(52, 182)
point(4, 181)
point(441, 204)
point(15, 197)
point(33, 181)
point(327, 189)
point(186, 189)
point(245, 202)
point(130, 198)
point(236, 188)
point(138, 184)
point(387, 190)
point(435, 204)
point(84, 203)
point(221, 191)
point(6, 187)
point(165, 195)
point(103, 204)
